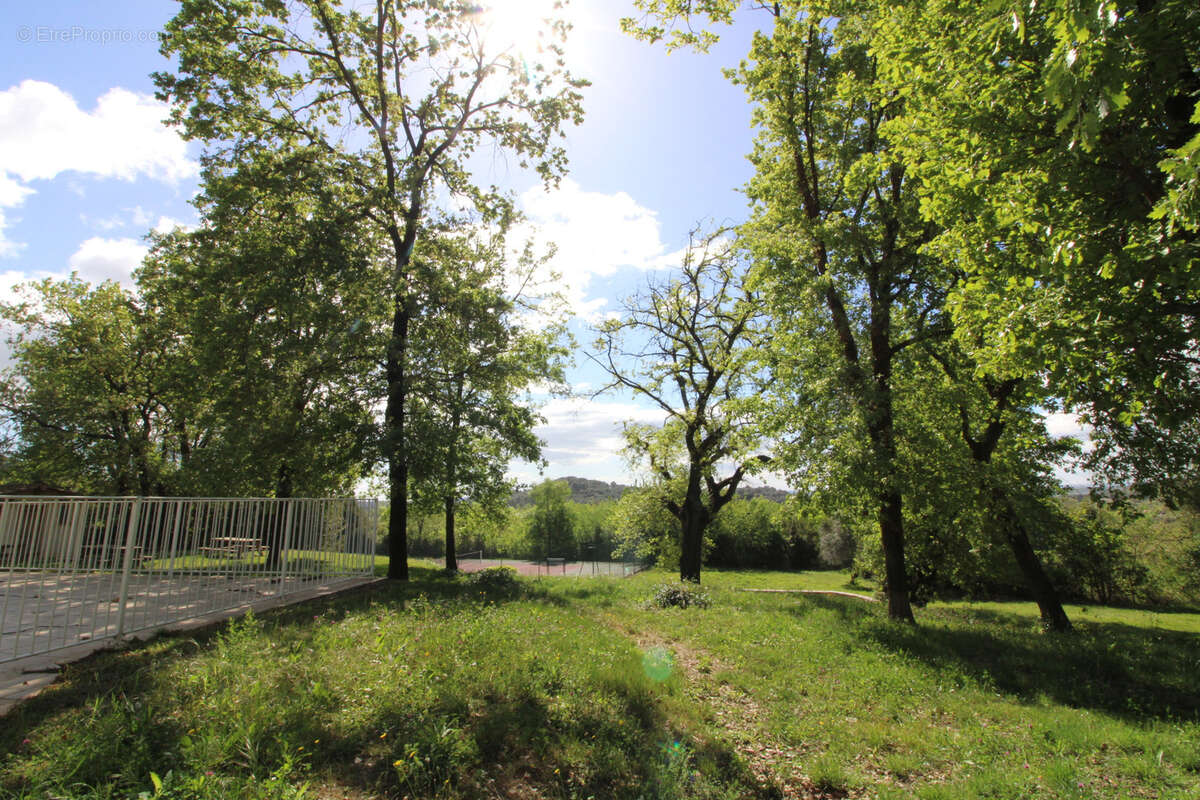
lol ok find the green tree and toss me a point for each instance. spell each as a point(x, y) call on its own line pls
point(88, 392)
point(750, 533)
point(688, 347)
point(979, 464)
point(837, 243)
point(644, 528)
point(478, 358)
point(1010, 459)
point(552, 526)
point(1056, 145)
point(859, 297)
point(400, 97)
point(277, 295)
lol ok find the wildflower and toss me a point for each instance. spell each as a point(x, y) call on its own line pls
point(383, 735)
point(208, 772)
point(397, 762)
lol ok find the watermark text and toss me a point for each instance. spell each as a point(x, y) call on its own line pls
point(70, 34)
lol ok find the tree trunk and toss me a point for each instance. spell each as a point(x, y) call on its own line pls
point(891, 531)
point(394, 444)
point(1054, 617)
point(451, 552)
point(185, 444)
point(451, 475)
point(691, 530)
point(283, 490)
point(881, 426)
point(692, 537)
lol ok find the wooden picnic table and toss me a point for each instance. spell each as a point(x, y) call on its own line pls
point(238, 545)
point(98, 555)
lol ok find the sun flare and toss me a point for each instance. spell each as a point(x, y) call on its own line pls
point(521, 27)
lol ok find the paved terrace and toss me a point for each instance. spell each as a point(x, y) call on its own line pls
point(75, 612)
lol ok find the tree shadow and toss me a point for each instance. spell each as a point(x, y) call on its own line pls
point(1130, 672)
point(121, 668)
point(498, 738)
point(851, 610)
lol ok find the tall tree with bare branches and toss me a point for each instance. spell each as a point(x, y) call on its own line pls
point(399, 98)
point(688, 346)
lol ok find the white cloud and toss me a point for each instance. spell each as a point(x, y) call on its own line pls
point(1063, 424)
point(12, 194)
point(141, 217)
point(168, 224)
point(595, 234)
point(103, 223)
point(44, 133)
point(580, 431)
point(10, 280)
point(99, 259)
point(137, 219)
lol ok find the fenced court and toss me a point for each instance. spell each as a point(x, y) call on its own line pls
point(551, 567)
point(78, 569)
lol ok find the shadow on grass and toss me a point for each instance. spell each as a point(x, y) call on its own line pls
point(518, 745)
point(851, 610)
point(494, 736)
point(122, 669)
point(1136, 673)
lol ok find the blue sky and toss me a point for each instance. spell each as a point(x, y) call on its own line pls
point(87, 168)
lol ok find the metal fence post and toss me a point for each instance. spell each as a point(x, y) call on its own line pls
point(174, 552)
point(287, 537)
point(127, 562)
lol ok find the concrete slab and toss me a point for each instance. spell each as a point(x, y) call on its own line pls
point(23, 678)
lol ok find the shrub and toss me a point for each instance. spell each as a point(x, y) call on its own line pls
point(680, 595)
point(495, 580)
point(837, 544)
point(1089, 556)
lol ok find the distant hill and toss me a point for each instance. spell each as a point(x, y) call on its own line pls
point(586, 490)
point(583, 490)
point(769, 492)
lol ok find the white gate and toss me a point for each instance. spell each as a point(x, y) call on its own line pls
point(77, 569)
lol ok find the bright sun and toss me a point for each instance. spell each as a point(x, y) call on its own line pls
point(520, 26)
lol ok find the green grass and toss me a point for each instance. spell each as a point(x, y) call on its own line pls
point(573, 688)
point(299, 561)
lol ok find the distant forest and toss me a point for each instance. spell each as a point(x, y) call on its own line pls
point(586, 490)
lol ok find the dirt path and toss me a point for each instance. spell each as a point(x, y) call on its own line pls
point(735, 712)
point(834, 592)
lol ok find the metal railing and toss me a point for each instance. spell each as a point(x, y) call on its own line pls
point(77, 569)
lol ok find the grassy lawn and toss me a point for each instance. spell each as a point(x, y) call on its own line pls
point(576, 688)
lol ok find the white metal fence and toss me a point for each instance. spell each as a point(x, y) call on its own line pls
point(77, 569)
